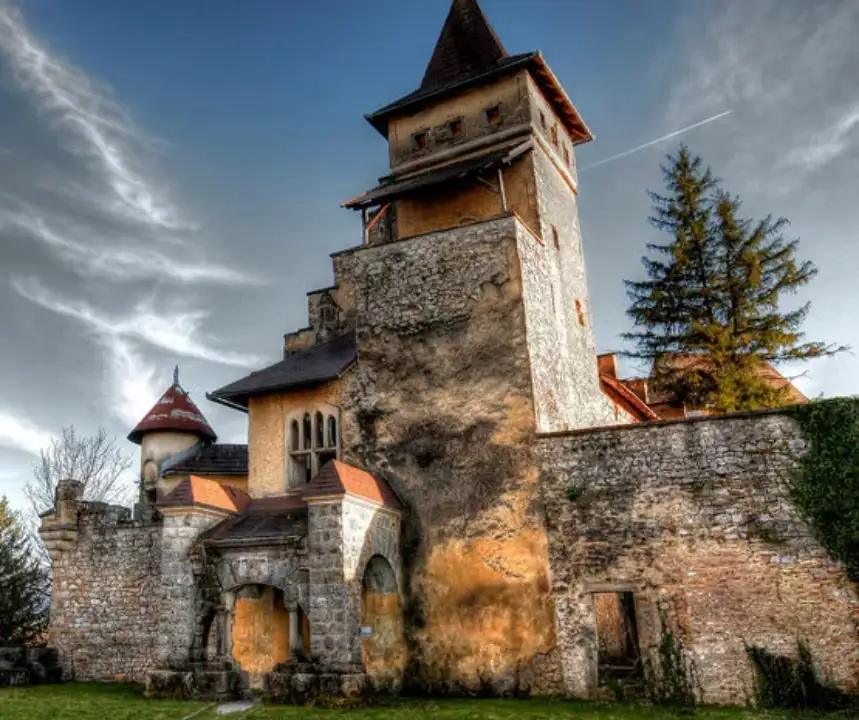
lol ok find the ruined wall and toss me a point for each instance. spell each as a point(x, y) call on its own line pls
point(442, 399)
point(106, 597)
point(695, 519)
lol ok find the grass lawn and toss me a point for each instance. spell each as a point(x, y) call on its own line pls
point(126, 702)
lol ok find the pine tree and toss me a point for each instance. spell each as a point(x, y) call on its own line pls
point(714, 300)
point(23, 582)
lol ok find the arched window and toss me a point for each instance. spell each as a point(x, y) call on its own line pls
point(307, 434)
point(332, 431)
point(294, 443)
point(312, 440)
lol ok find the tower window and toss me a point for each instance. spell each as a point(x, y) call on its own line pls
point(313, 440)
point(542, 120)
point(567, 155)
point(555, 135)
point(493, 115)
point(580, 313)
point(556, 238)
point(455, 128)
point(421, 140)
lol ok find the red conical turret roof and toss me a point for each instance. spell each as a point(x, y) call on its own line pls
point(174, 411)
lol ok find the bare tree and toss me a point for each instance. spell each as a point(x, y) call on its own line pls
point(94, 460)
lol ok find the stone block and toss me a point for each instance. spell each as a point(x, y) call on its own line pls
point(353, 685)
point(304, 687)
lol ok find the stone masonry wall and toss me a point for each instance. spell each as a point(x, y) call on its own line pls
point(694, 517)
point(441, 398)
point(106, 597)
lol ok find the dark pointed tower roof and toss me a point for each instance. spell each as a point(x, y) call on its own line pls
point(467, 45)
point(468, 53)
point(174, 411)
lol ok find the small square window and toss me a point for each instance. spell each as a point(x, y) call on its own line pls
point(542, 120)
point(421, 140)
point(493, 115)
point(456, 128)
point(556, 238)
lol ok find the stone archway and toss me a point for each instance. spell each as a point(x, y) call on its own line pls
point(260, 629)
point(383, 649)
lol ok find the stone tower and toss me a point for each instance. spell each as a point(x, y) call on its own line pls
point(488, 135)
point(173, 424)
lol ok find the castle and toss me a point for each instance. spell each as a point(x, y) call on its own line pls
point(443, 489)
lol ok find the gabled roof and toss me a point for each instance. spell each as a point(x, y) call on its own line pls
point(316, 365)
point(219, 459)
point(263, 519)
point(200, 492)
point(337, 478)
point(467, 45)
point(174, 411)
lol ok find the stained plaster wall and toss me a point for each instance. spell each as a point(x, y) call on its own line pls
point(106, 596)
point(442, 400)
point(695, 518)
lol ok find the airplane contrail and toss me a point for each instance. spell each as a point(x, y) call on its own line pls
point(654, 142)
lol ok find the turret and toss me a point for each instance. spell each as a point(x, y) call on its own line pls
point(173, 425)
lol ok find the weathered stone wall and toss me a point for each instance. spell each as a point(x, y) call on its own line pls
point(695, 518)
point(106, 598)
point(560, 334)
point(442, 402)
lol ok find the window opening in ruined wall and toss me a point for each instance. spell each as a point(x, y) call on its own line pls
point(313, 439)
point(421, 140)
point(619, 657)
point(493, 115)
point(455, 127)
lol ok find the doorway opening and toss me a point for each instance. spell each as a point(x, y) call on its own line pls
point(619, 657)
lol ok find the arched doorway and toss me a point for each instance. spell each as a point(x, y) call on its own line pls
point(382, 642)
point(260, 629)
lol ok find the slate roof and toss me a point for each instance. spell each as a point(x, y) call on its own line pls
point(455, 171)
point(199, 491)
point(218, 459)
point(316, 365)
point(174, 411)
point(264, 518)
point(467, 44)
point(338, 478)
point(468, 53)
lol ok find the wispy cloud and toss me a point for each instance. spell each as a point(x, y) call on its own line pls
point(651, 143)
point(18, 433)
point(96, 127)
point(828, 144)
point(117, 263)
point(175, 331)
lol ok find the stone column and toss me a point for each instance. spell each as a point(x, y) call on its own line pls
point(296, 649)
point(227, 619)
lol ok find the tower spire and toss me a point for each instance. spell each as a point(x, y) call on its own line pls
point(176, 376)
point(467, 45)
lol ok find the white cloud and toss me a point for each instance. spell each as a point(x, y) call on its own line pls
point(829, 144)
point(127, 263)
point(97, 128)
point(18, 433)
point(175, 331)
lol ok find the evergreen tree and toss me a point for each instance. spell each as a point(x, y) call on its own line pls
point(23, 582)
point(708, 315)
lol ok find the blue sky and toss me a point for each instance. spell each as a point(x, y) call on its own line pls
point(171, 172)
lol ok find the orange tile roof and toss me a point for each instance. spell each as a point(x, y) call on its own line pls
point(194, 490)
point(338, 478)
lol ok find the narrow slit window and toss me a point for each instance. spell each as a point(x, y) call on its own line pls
point(555, 135)
point(456, 128)
point(580, 313)
point(421, 140)
point(556, 239)
point(567, 155)
point(493, 115)
point(542, 120)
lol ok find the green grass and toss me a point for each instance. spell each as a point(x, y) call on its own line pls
point(126, 702)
